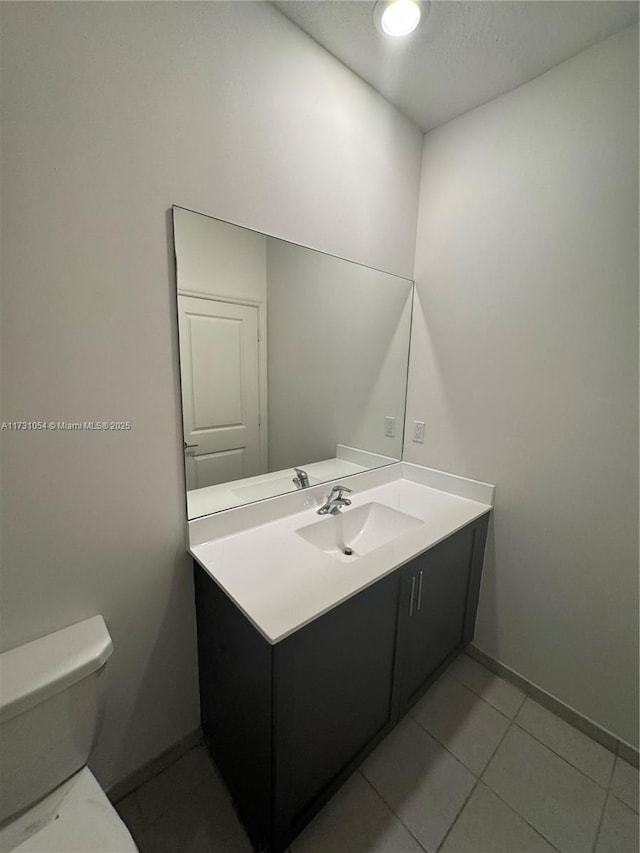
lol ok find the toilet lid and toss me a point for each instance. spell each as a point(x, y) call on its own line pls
point(76, 818)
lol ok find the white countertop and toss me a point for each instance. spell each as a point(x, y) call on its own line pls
point(282, 582)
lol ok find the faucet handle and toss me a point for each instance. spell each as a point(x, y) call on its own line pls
point(334, 501)
point(340, 490)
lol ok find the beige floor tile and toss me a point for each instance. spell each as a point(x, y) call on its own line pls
point(578, 749)
point(619, 830)
point(624, 783)
point(129, 811)
point(355, 820)
point(488, 825)
point(158, 795)
point(461, 721)
point(503, 696)
point(560, 802)
point(424, 784)
point(203, 822)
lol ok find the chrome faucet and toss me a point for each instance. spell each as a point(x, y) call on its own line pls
point(302, 480)
point(334, 501)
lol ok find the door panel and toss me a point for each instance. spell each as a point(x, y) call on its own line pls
point(216, 360)
point(222, 467)
point(220, 390)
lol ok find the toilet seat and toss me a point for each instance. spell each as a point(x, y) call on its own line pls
point(76, 817)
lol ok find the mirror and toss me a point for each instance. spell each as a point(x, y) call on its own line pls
point(289, 359)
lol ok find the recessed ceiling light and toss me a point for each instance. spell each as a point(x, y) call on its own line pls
point(397, 18)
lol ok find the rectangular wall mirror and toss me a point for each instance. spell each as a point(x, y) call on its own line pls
point(289, 359)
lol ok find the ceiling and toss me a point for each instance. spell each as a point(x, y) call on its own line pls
point(465, 53)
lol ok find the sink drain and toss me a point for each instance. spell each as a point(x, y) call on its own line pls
point(348, 552)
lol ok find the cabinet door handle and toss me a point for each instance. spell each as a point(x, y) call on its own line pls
point(420, 592)
point(413, 589)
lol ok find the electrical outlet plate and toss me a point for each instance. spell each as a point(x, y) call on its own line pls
point(390, 427)
point(418, 432)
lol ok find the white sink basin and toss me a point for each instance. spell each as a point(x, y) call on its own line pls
point(359, 531)
point(269, 488)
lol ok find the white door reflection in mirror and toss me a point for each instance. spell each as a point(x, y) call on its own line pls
point(220, 390)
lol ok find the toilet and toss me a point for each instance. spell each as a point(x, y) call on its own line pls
point(50, 702)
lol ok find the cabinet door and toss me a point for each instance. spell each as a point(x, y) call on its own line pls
point(333, 687)
point(434, 602)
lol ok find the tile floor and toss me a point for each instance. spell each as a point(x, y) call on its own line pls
point(476, 767)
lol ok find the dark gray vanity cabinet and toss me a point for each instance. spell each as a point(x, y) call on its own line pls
point(439, 602)
point(287, 723)
point(333, 699)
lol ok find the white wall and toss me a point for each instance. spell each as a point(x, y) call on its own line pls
point(111, 113)
point(338, 347)
point(525, 366)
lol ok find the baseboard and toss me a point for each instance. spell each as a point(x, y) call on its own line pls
point(152, 768)
point(566, 712)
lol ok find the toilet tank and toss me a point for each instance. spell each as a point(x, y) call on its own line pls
point(49, 707)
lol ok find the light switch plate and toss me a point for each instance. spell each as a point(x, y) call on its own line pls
point(418, 432)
